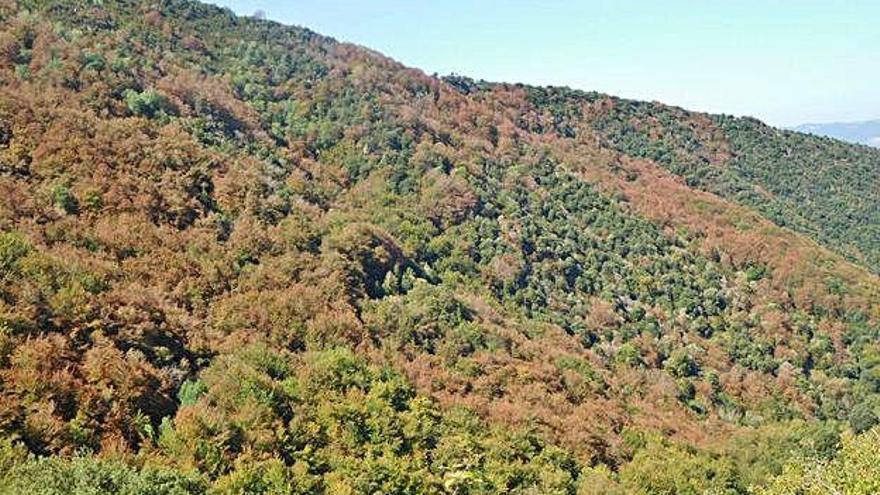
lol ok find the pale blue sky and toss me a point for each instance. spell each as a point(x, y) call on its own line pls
point(784, 61)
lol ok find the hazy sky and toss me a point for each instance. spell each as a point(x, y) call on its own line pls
point(786, 62)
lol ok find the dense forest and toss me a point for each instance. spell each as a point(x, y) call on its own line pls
point(820, 187)
point(241, 257)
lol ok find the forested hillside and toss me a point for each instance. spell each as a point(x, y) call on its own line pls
point(240, 257)
point(821, 187)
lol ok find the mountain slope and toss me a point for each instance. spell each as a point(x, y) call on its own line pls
point(242, 256)
point(823, 188)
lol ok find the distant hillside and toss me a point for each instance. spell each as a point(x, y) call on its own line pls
point(820, 187)
point(238, 257)
point(867, 132)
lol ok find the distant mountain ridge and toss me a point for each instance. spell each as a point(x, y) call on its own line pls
point(866, 132)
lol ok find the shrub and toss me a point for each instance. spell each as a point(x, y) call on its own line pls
point(146, 104)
